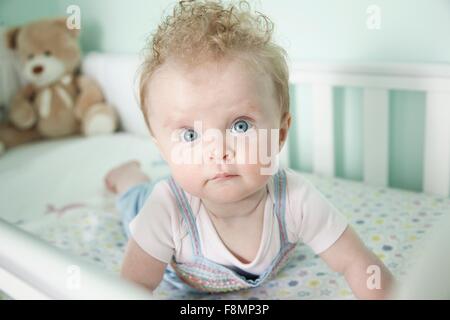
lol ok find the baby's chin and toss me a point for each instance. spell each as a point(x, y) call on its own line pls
point(217, 191)
point(227, 191)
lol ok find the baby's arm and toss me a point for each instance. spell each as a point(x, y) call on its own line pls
point(140, 267)
point(349, 256)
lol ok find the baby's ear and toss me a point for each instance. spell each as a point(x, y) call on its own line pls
point(11, 38)
point(285, 124)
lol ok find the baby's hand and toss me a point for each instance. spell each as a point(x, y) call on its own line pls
point(365, 273)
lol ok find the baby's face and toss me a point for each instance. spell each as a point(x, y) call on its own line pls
point(210, 120)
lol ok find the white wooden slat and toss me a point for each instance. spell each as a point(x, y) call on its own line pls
point(323, 129)
point(437, 144)
point(376, 135)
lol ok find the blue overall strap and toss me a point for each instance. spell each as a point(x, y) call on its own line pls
point(280, 204)
point(188, 217)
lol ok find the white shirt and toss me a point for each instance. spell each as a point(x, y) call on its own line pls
point(161, 232)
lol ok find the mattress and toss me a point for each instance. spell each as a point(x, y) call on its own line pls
point(54, 189)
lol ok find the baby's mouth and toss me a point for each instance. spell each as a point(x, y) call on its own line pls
point(223, 176)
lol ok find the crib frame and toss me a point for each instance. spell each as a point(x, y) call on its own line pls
point(376, 80)
point(33, 269)
point(25, 275)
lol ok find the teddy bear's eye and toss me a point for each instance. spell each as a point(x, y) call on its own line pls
point(47, 53)
point(30, 56)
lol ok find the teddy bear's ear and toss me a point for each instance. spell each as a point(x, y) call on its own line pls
point(11, 38)
point(62, 22)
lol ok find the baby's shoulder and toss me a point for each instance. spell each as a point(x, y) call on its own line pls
point(159, 200)
point(162, 206)
point(167, 190)
point(301, 193)
point(296, 182)
point(166, 195)
point(162, 193)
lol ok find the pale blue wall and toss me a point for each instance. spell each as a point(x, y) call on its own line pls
point(416, 30)
point(319, 30)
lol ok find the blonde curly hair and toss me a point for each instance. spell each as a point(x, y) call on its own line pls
point(208, 29)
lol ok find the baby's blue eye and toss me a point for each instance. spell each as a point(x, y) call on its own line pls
point(240, 126)
point(189, 135)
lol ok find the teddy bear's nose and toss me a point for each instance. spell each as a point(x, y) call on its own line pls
point(38, 69)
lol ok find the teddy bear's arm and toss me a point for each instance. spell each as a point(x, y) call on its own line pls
point(89, 94)
point(21, 113)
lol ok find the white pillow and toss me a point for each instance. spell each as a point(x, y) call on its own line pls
point(117, 76)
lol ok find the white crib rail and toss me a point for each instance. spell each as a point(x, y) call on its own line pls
point(25, 259)
point(376, 80)
point(437, 143)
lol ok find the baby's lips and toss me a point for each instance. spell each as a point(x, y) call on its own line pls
point(223, 175)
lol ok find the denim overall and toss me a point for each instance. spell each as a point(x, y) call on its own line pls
point(204, 275)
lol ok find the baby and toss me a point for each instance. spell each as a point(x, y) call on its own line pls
point(214, 93)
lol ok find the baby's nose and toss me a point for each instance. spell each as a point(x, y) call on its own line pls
point(221, 154)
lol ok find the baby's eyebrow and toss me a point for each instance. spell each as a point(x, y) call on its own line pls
point(246, 109)
point(173, 122)
point(176, 120)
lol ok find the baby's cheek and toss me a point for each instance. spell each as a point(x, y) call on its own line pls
point(269, 143)
point(189, 177)
point(246, 149)
point(258, 147)
point(253, 180)
point(253, 175)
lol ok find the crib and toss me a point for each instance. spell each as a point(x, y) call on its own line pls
point(63, 239)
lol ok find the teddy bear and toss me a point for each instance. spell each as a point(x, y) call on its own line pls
point(57, 99)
